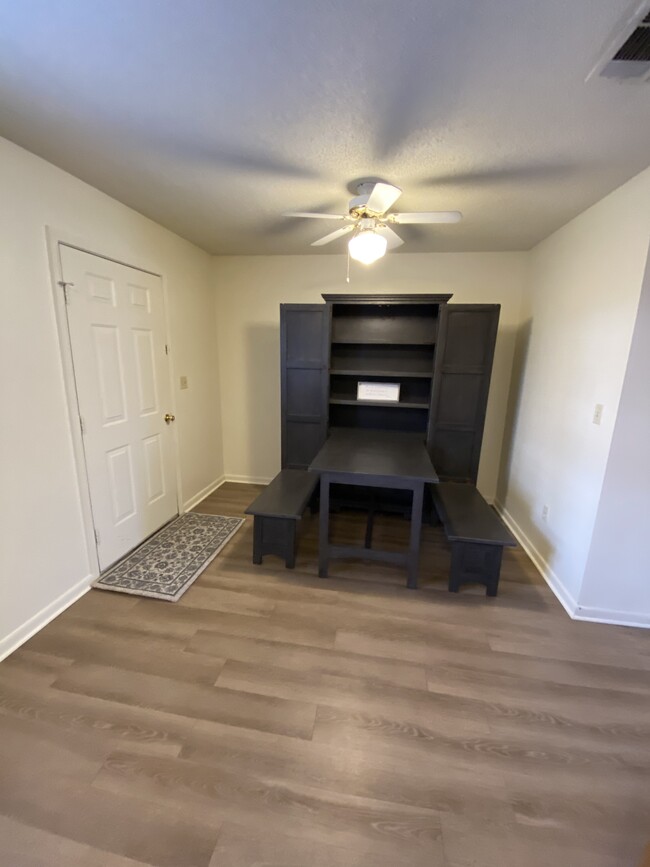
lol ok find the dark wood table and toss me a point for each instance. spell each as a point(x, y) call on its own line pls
point(375, 459)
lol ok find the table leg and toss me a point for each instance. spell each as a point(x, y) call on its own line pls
point(416, 528)
point(324, 526)
point(258, 522)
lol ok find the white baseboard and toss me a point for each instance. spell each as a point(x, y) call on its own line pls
point(613, 618)
point(249, 480)
point(570, 605)
point(209, 489)
point(564, 597)
point(19, 636)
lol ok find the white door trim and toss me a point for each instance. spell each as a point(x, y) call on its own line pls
point(54, 238)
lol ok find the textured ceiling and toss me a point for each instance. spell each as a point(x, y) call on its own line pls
point(213, 117)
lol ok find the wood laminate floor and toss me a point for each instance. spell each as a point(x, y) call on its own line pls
point(274, 719)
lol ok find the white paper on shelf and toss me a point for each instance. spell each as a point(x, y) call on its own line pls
point(388, 391)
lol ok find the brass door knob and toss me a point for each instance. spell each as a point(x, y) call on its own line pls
point(169, 417)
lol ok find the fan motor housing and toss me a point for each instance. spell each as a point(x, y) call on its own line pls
point(358, 203)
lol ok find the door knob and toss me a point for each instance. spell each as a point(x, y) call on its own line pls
point(169, 417)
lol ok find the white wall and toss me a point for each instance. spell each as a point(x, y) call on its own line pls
point(250, 290)
point(43, 559)
point(584, 288)
point(616, 582)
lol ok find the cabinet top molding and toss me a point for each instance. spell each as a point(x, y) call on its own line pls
point(386, 299)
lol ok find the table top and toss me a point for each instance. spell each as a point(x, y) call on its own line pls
point(389, 454)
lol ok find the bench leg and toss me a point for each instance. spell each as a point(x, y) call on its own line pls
point(472, 562)
point(274, 536)
point(290, 545)
point(494, 571)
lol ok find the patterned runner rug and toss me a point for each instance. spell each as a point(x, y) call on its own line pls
point(166, 564)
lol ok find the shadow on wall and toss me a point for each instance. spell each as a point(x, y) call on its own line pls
point(261, 384)
point(495, 421)
point(517, 502)
point(519, 359)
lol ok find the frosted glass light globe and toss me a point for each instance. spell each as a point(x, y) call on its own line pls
point(367, 247)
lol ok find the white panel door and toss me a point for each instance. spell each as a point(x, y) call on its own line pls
point(116, 320)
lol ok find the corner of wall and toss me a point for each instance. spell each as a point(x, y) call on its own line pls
point(562, 593)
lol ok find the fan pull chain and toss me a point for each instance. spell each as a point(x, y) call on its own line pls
point(347, 276)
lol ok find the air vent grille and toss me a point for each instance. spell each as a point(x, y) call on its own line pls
point(625, 55)
point(637, 47)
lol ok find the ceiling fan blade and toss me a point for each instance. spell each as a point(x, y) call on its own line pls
point(332, 236)
point(315, 216)
point(392, 237)
point(428, 217)
point(382, 197)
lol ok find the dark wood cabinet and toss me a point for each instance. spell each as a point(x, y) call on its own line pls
point(439, 353)
point(461, 383)
point(304, 350)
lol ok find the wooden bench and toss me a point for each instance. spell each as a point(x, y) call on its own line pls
point(277, 511)
point(476, 533)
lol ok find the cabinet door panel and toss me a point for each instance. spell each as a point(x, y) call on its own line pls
point(463, 366)
point(460, 395)
point(304, 334)
point(303, 441)
point(304, 395)
point(467, 337)
point(453, 450)
point(304, 341)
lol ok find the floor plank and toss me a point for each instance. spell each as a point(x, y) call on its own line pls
point(313, 661)
point(27, 846)
point(197, 701)
point(323, 816)
point(53, 790)
point(244, 846)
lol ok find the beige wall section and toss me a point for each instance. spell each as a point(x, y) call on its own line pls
point(43, 559)
point(250, 290)
point(620, 546)
point(580, 308)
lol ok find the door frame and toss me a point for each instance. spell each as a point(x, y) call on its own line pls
point(55, 238)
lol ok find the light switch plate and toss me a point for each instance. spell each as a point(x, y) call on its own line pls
point(184, 382)
point(598, 413)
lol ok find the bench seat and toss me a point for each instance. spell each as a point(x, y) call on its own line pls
point(476, 533)
point(277, 511)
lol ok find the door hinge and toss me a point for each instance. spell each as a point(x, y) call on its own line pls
point(82, 425)
point(166, 349)
point(66, 290)
point(97, 537)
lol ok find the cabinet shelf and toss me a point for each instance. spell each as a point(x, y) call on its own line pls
point(402, 374)
point(394, 324)
point(404, 404)
point(361, 341)
point(382, 359)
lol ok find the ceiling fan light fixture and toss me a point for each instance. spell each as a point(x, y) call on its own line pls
point(367, 246)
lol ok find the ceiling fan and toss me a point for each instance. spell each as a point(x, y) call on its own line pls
point(369, 221)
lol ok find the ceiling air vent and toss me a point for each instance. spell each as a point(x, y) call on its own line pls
point(626, 55)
